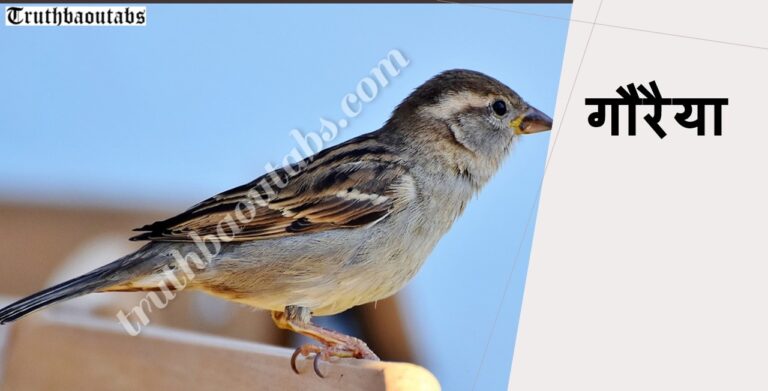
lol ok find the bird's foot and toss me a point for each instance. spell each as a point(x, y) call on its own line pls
point(351, 348)
point(333, 344)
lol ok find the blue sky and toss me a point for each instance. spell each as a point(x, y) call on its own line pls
point(204, 96)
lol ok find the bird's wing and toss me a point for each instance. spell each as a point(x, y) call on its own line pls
point(354, 185)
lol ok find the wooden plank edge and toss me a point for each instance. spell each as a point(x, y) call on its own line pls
point(257, 360)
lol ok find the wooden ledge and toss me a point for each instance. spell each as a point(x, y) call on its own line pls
point(82, 353)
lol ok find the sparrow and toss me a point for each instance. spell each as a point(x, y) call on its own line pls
point(349, 225)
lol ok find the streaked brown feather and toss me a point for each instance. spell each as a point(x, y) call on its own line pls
point(351, 185)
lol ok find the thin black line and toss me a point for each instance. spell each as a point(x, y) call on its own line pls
point(538, 15)
point(211, 2)
point(568, 101)
point(683, 36)
point(533, 207)
point(637, 29)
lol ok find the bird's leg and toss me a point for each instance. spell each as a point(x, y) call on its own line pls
point(334, 344)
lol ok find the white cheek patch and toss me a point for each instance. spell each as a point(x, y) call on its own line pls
point(451, 104)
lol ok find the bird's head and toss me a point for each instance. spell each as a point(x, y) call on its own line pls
point(471, 117)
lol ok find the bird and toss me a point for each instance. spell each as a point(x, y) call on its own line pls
point(349, 225)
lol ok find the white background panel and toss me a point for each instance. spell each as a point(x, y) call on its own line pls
point(649, 267)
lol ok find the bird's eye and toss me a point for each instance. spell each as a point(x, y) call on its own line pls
point(499, 107)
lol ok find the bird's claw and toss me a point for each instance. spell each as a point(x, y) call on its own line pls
point(327, 353)
point(316, 365)
point(306, 350)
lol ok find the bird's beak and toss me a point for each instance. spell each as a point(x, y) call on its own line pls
point(532, 121)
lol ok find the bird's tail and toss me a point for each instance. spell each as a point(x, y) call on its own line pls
point(99, 279)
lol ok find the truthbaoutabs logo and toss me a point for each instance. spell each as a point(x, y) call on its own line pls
point(75, 16)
